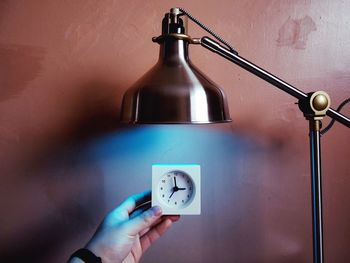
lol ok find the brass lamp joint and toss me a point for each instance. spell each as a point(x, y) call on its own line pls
point(315, 106)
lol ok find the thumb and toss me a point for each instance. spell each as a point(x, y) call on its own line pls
point(143, 221)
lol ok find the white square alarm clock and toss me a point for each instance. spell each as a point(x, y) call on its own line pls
point(176, 188)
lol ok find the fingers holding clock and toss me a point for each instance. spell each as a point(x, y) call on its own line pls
point(173, 218)
point(146, 221)
point(143, 221)
point(140, 209)
point(137, 218)
point(136, 200)
point(131, 206)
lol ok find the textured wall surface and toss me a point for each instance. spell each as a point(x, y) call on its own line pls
point(65, 160)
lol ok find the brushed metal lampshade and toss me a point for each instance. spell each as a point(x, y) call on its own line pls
point(174, 90)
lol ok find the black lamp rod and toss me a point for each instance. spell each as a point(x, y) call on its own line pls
point(263, 74)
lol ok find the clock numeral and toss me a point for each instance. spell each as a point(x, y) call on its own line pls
point(190, 188)
point(163, 195)
point(183, 201)
point(163, 181)
point(188, 196)
point(169, 175)
point(168, 200)
point(161, 188)
point(175, 203)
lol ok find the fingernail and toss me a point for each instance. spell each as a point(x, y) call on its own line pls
point(156, 210)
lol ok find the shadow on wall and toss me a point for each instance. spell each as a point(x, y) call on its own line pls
point(52, 191)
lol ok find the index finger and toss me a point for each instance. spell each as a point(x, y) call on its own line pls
point(134, 201)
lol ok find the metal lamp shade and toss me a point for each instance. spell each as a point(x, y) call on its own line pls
point(174, 91)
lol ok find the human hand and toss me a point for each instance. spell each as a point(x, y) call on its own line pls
point(129, 230)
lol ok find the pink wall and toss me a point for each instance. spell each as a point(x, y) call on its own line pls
point(65, 160)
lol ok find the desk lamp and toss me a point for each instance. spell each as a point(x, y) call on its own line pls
point(174, 91)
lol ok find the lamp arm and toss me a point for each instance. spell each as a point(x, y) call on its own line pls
point(215, 47)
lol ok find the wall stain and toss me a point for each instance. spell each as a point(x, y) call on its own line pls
point(19, 64)
point(3, 9)
point(295, 32)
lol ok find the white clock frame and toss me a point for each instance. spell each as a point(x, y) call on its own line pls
point(193, 171)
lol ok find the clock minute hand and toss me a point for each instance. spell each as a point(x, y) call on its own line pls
point(171, 194)
point(179, 188)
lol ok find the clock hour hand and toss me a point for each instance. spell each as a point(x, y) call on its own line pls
point(175, 182)
point(180, 188)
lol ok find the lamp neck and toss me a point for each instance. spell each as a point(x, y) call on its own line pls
point(173, 50)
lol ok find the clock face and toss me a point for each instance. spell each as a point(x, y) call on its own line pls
point(176, 189)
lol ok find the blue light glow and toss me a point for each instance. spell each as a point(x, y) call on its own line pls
point(125, 158)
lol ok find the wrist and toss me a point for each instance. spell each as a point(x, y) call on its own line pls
point(84, 255)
